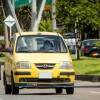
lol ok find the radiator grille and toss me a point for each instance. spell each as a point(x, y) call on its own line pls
point(54, 80)
point(45, 66)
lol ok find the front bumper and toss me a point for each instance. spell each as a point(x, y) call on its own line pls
point(26, 80)
point(34, 85)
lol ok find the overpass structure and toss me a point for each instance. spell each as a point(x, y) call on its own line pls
point(37, 7)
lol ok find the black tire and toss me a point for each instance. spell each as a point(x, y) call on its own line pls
point(14, 90)
point(59, 90)
point(7, 87)
point(70, 90)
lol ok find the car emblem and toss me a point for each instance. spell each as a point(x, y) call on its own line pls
point(45, 66)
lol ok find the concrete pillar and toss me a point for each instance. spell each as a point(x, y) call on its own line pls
point(53, 10)
point(33, 14)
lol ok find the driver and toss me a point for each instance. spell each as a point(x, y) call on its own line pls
point(47, 45)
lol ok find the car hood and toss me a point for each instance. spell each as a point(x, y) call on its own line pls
point(43, 57)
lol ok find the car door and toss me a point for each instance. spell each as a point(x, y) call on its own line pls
point(82, 48)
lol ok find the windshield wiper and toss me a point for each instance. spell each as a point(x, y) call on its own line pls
point(29, 51)
point(48, 52)
point(25, 51)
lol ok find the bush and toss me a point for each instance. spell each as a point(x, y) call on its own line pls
point(2, 42)
point(45, 25)
point(97, 44)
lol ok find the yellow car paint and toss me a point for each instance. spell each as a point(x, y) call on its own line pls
point(36, 59)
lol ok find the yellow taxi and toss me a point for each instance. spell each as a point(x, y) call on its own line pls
point(38, 60)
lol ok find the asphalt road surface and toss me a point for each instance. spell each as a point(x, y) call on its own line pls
point(83, 91)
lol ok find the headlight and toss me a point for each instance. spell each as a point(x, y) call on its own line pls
point(66, 65)
point(23, 65)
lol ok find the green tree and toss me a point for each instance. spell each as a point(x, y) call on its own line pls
point(87, 14)
point(1, 24)
point(2, 42)
point(45, 25)
point(97, 43)
point(24, 17)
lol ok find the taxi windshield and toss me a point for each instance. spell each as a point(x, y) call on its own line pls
point(40, 43)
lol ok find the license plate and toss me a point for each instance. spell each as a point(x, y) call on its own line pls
point(45, 75)
point(95, 54)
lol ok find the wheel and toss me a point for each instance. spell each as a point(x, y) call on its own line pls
point(70, 90)
point(14, 90)
point(58, 90)
point(7, 87)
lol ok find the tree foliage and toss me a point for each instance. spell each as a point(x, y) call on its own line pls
point(87, 14)
point(97, 43)
point(45, 25)
point(2, 42)
point(24, 17)
point(1, 25)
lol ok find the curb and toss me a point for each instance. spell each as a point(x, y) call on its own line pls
point(92, 78)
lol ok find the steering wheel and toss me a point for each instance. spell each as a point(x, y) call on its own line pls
point(52, 49)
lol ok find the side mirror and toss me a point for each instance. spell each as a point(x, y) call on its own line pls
point(10, 50)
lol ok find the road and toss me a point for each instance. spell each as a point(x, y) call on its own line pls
point(83, 91)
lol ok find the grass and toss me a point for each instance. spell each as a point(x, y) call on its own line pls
point(87, 65)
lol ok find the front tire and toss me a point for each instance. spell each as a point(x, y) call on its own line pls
point(7, 87)
point(70, 90)
point(59, 90)
point(14, 90)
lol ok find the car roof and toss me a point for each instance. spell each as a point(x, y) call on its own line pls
point(69, 34)
point(37, 33)
point(90, 40)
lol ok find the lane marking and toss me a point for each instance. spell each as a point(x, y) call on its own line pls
point(95, 92)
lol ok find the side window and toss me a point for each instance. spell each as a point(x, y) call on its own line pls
point(82, 46)
point(12, 42)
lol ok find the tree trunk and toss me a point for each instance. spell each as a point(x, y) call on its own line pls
point(85, 36)
point(78, 46)
point(5, 27)
point(99, 32)
point(78, 55)
point(6, 36)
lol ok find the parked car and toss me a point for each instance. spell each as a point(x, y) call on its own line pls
point(88, 48)
point(71, 42)
point(38, 60)
point(3, 48)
